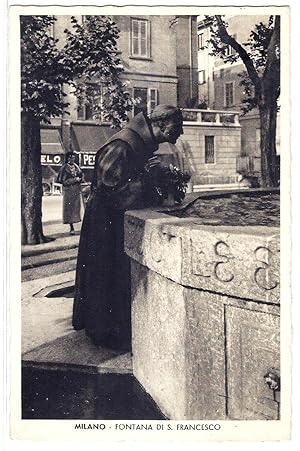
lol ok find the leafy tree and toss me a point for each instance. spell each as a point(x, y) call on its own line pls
point(88, 58)
point(261, 80)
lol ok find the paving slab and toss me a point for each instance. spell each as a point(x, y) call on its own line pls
point(62, 241)
point(40, 272)
point(48, 338)
point(46, 258)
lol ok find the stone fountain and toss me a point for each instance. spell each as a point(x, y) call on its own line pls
point(205, 313)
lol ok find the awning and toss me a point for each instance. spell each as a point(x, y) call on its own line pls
point(51, 142)
point(48, 172)
point(89, 138)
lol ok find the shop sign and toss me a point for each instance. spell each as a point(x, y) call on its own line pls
point(87, 160)
point(52, 160)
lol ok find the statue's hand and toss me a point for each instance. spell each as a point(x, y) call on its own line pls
point(151, 163)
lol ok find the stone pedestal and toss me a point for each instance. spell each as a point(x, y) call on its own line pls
point(205, 316)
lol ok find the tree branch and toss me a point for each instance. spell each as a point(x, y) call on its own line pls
point(229, 40)
point(271, 74)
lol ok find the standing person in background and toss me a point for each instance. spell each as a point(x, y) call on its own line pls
point(102, 303)
point(70, 176)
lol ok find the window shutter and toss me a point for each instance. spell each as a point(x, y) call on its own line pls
point(140, 37)
point(229, 94)
point(200, 41)
point(135, 37)
point(140, 93)
point(143, 38)
point(153, 99)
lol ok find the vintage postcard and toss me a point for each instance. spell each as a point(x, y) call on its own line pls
point(150, 161)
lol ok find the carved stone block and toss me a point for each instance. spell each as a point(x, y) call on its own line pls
point(242, 262)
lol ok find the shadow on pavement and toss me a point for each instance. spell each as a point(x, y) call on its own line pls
point(74, 348)
point(48, 394)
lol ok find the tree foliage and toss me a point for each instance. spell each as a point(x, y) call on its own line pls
point(92, 48)
point(260, 55)
point(87, 62)
point(257, 46)
point(261, 80)
point(43, 71)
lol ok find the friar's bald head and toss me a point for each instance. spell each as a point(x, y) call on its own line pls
point(166, 123)
point(163, 111)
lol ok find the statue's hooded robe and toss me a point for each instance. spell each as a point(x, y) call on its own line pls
point(102, 304)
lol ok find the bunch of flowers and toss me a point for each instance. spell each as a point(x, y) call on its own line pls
point(162, 181)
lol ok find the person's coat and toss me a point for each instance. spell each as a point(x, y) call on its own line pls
point(70, 178)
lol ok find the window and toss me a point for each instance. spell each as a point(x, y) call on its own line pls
point(91, 105)
point(209, 149)
point(229, 50)
point(153, 101)
point(201, 77)
point(85, 112)
point(140, 38)
point(142, 95)
point(148, 99)
point(200, 41)
point(229, 94)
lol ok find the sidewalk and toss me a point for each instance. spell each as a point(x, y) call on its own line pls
point(63, 240)
point(53, 227)
point(48, 339)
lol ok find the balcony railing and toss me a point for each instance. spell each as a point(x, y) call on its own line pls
point(211, 117)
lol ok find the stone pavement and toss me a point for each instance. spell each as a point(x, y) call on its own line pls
point(63, 240)
point(48, 339)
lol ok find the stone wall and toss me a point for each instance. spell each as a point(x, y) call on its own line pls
point(227, 143)
point(205, 315)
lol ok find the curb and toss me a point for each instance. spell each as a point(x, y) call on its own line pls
point(59, 247)
point(84, 368)
point(48, 262)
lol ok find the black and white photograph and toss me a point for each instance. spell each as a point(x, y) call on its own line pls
point(151, 165)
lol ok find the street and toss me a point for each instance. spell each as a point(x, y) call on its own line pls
point(62, 258)
point(52, 208)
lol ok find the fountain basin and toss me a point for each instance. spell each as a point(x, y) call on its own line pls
point(205, 313)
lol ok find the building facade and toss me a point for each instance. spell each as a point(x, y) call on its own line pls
point(159, 58)
point(219, 82)
point(206, 64)
point(186, 61)
point(158, 55)
point(210, 146)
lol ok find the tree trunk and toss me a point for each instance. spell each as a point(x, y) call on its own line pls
point(31, 173)
point(268, 116)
